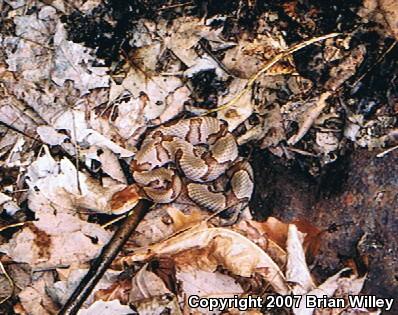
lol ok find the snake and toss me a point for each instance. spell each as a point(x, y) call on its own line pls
point(196, 157)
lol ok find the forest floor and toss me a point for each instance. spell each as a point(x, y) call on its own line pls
point(82, 82)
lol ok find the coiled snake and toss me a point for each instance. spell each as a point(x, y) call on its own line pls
point(197, 156)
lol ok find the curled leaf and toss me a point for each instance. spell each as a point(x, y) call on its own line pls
point(232, 251)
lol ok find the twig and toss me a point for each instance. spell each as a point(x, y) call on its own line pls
point(382, 154)
point(219, 63)
point(12, 285)
point(175, 6)
point(103, 261)
point(12, 226)
point(380, 59)
point(37, 43)
point(112, 103)
point(20, 132)
point(119, 218)
point(269, 65)
point(77, 154)
point(302, 152)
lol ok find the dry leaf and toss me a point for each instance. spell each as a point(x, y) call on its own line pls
point(119, 290)
point(207, 284)
point(34, 298)
point(109, 308)
point(241, 109)
point(254, 231)
point(146, 284)
point(277, 231)
point(61, 290)
point(50, 136)
point(4, 198)
point(79, 129)
point(159, 305)
point(297, 272)
point(36, 61)
point(58, 236)
point(249, 55)
point(229, 249)
point(383, 12)
point(328, 288)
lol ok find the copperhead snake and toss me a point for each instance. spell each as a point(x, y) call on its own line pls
point(195, 157)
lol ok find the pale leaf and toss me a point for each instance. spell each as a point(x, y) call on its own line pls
point(107, 308)
point(234, 252)
point(297, 272)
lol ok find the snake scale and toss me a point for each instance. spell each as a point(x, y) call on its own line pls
point(195, 157)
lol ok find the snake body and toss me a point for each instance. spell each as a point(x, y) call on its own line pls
point(193, 155)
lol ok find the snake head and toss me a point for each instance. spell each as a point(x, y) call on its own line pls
point(125, 199)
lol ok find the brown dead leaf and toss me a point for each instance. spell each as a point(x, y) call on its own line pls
point(207, 283)
point(277, 232)
point(20, 276)
point(248, 312)
point(164, 98)
point(164, 221)
point(338, 285)
point(117, 291)
point(347, 286)
point(64, 61)
point(231, 250)
point(165, 269)
point(383, 12)
point(326, 289)
point(254, 231)
point(241, 110)
point(274, 229)
point(309, 118)
point(390, 10)
point(312, 239)
point(156, 226)
point(56, 240)
point(183, 221)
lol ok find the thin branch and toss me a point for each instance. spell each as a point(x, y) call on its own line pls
point(77, 154)
point(10, 281)
point(380, 59)
point(384, 153)
point(268, 66)
point(119, 218)
point(12, 226)
point(219, 63)
point(104, 260)
point(178, 5)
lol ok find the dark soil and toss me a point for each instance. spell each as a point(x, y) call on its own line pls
point(355, 202)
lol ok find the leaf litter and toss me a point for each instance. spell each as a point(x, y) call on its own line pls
point(60, 101)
